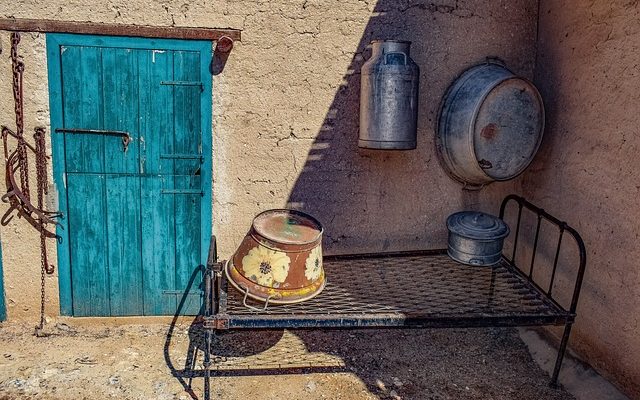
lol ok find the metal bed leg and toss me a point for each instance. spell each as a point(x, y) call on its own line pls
point(210, 309)
point(207, 364)
point(561, 351)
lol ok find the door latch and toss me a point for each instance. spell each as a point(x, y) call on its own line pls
point(126, 138)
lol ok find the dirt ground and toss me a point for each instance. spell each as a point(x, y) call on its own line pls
point(148, 362)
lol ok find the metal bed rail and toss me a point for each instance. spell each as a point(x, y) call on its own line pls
point(562, 227)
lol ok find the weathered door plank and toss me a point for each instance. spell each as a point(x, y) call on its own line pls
point(156, 111)
point(186, 175)
point(89, 252)
point(188, 268)
point(187, 137)
point(158, 246)
point(82, 105)
point(125, 244)
point(120, 108)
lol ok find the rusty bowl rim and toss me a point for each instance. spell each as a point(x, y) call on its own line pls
point(288, 248)
point(229, 264)
point(300, 213)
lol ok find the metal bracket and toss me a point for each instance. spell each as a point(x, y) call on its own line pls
point(181, 293)
point(183, 191)
point(182, 157)
point(221, 321)
point(218, 268)
point(184, 83)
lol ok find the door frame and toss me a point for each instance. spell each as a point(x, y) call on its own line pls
point(3, 307)
point(54, 43)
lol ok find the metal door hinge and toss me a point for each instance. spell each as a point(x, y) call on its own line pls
point(183, 157)
point(183, 191)
point(184, 83)
point(181, 293)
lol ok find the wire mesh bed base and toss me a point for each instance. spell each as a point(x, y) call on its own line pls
point(419, 289)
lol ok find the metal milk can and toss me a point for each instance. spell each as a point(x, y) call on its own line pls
point(389, 97)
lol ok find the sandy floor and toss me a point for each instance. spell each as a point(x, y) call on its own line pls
point(144, 362)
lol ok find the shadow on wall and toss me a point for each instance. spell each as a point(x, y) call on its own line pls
point(373, 200)
point(376, 200)
point(346, 187)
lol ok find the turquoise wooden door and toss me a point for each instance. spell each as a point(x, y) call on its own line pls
point(137, 213)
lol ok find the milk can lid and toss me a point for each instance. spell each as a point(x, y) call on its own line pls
point(287, 226)
point(477, 225)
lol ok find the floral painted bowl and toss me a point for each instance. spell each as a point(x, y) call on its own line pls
point(280, 259)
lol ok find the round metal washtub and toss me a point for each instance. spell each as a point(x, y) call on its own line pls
point(280, 259)
point(490, 125)
point(476, 238)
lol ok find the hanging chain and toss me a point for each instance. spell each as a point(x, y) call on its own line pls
point(41, 178)
point(43, 190)
point(21, 199)
point(18, 69)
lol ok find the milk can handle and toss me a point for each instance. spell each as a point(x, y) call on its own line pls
point(386, 57)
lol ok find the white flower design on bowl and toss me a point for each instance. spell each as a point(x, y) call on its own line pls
point(313, 265)
point(266, 267)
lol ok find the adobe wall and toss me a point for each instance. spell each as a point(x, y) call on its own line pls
point(285, 120)
point(588, 170)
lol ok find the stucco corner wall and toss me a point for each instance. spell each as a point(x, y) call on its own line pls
point(285, 115)
point(588, 170)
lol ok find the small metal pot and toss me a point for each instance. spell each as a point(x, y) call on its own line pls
point(476, 238)
point(280, 259)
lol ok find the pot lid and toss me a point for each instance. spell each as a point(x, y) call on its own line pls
point(287, 226)
point(477, 225)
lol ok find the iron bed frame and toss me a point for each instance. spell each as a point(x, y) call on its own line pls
point(420, 289)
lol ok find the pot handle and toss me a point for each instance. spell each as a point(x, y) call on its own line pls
point(394, 55)
point(246, 296)
point(496, 60)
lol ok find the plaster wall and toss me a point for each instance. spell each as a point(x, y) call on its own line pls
point(588, 171)
point(285, 120)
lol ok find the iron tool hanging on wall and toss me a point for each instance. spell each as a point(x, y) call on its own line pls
point(17, 165)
